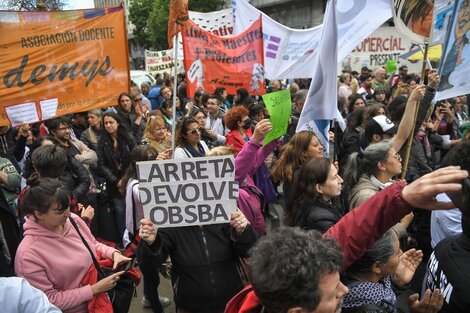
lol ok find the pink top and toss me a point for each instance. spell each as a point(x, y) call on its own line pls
point(57, 263)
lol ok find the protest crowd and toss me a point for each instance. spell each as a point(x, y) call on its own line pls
point(320, 223)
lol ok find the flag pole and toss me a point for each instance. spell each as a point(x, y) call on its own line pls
point(175, 81)
point(412, 134)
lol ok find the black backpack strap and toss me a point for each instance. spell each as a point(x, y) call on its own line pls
point(95, 261)
point(134, 231)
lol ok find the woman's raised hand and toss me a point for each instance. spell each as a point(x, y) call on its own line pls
point(262, 129)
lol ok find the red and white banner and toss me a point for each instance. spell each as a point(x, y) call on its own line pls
point(230, 62)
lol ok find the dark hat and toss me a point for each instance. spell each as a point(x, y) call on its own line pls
point(380, 125)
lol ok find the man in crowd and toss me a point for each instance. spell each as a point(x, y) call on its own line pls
point(154, 93)
point(304, 275)
point(61, 130)
point(214, 123)
point(366, 90)
point(380, 81)
point(133, 119)
point(448, 267)
point(298, 105)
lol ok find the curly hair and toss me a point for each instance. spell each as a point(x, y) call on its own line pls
point(352, 101)
point(235, 115)
point(291, 278)
point(293, 155)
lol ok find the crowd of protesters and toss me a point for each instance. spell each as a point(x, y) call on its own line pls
point(80, 171)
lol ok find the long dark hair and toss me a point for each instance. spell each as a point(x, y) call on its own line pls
point(138, 154)
point(181, 139)
point(304, 189)
point(122, 132)
point(125, 94)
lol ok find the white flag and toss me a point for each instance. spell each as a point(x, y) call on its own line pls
point(321, 103)
point(291, 53)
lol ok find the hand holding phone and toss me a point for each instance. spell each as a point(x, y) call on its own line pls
point(127, 266)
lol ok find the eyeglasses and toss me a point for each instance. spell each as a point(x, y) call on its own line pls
point(397, 156)
point(138, 99)
point(152, 158)
point(195, 131)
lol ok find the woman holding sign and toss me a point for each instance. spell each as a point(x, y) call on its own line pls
point(205, 273)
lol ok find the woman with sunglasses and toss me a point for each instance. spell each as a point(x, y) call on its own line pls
point(188, 139)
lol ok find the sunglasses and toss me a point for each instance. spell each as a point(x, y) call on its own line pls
point(138, 99)
point(152, 158)
point(195, 131)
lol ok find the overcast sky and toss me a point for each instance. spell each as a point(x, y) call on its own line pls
point(79, 4)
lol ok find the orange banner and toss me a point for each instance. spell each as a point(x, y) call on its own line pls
point(177, 19)
point(233, 62)
point(61, 62)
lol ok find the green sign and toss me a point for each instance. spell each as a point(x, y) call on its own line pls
point(279, 107)
point(391, 66)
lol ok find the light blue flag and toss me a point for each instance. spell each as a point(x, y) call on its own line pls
point(321, 103)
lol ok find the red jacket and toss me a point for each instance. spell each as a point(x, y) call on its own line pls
point(234, 140)
point(355, 232)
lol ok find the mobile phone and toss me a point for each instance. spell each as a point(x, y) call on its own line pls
point(127, 266)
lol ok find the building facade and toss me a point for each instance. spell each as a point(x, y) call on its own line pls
point(298, 14)
point(136, 53)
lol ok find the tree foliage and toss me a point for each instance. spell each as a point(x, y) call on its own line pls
point(150, 18)
point(31, 5)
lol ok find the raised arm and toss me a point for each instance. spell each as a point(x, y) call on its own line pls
point(406, 124)
point(364, 225)
point(251, 156)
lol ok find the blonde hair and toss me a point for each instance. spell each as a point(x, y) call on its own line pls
point(221, 150)
point(153, 121)
point(354, 85)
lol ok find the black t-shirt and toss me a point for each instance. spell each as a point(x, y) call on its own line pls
point(448, 269)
